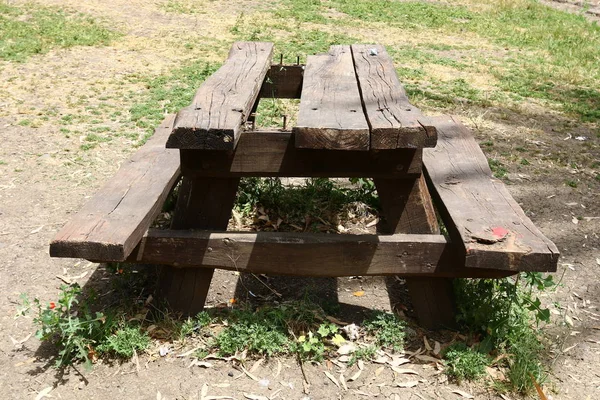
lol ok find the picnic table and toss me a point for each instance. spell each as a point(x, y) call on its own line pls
point(354, 120)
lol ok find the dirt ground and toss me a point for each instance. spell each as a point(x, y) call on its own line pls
point(45, 177)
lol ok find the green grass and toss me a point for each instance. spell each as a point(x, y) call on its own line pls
point(167, 94)
point(33, 29)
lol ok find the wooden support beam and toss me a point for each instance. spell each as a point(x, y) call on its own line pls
point(478, 210)
point(304, 254)
point(394, 122)
point(274, 154)
point(331, 115)
point(223, 103)
point(114, 220)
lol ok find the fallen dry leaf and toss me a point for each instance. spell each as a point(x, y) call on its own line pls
point(332, 379)
point(463, 394)
point(355, 376)
point(405, 371)
point(397, 361)
point(44, 393)
point(255, 396)
point(426, 343)
point(408, 384)
point(426, 358)
point(254, 378)
point(538, 388)
point(378, 371)
point(343, 381)
point(359, 293)
point(256, 365)
point(335, 320)
point(437, 348)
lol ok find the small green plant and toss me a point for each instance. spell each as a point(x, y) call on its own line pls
point(524, 161)
point(192, 325)
point(464, 363)
point(571, 183)
point(506, 314)
point(312, 346)
point(498, 169)
point(388, 330)
point(125, 341)
point(71, 325)
point(366, 353)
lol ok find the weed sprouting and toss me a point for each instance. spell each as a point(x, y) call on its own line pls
point(388, 330)
point(464, 363)
point(125, 342)
point(506, 313)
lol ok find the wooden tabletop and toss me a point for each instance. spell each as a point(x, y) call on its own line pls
point(350, 99)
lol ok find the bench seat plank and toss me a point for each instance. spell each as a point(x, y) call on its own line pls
point(479, 212)
point(394, 122)
point(114, 220)
point(224, 101)
point(331, 115)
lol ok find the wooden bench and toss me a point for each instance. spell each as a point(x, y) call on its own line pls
point(354, 121)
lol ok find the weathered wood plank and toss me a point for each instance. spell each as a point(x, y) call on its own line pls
point(224, 101)
point(304, 254)
point(113, 221)
point(274, 154)
point(479, 211)
point(283, 82)
point(407, 208)
point(331, 115)
point(202, 204)
point(394, 122)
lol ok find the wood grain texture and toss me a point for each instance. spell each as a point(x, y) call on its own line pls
point(304, 254)
point(478, 210)
point(224, 101)
point(113, 221)
point(394, 122)
point(331, 115)
point(407, 208)
point(202, 204)
point(274, 154)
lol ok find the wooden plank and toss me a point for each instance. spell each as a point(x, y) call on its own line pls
point(283, 82)
point(304, 254)
point(394, 122)
point(202, 204)
point(274, 154)
point(407, 208)
point(479, 211)
point(224, 101)
point(114, 220)
point(331, 115)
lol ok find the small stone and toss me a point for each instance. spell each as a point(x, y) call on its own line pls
point(230, 373)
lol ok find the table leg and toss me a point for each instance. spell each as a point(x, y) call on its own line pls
point(407, 208)
point(203, 203)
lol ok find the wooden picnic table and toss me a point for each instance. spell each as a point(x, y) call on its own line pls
point(354, 120)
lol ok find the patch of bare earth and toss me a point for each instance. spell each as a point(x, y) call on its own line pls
point(45, 177)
